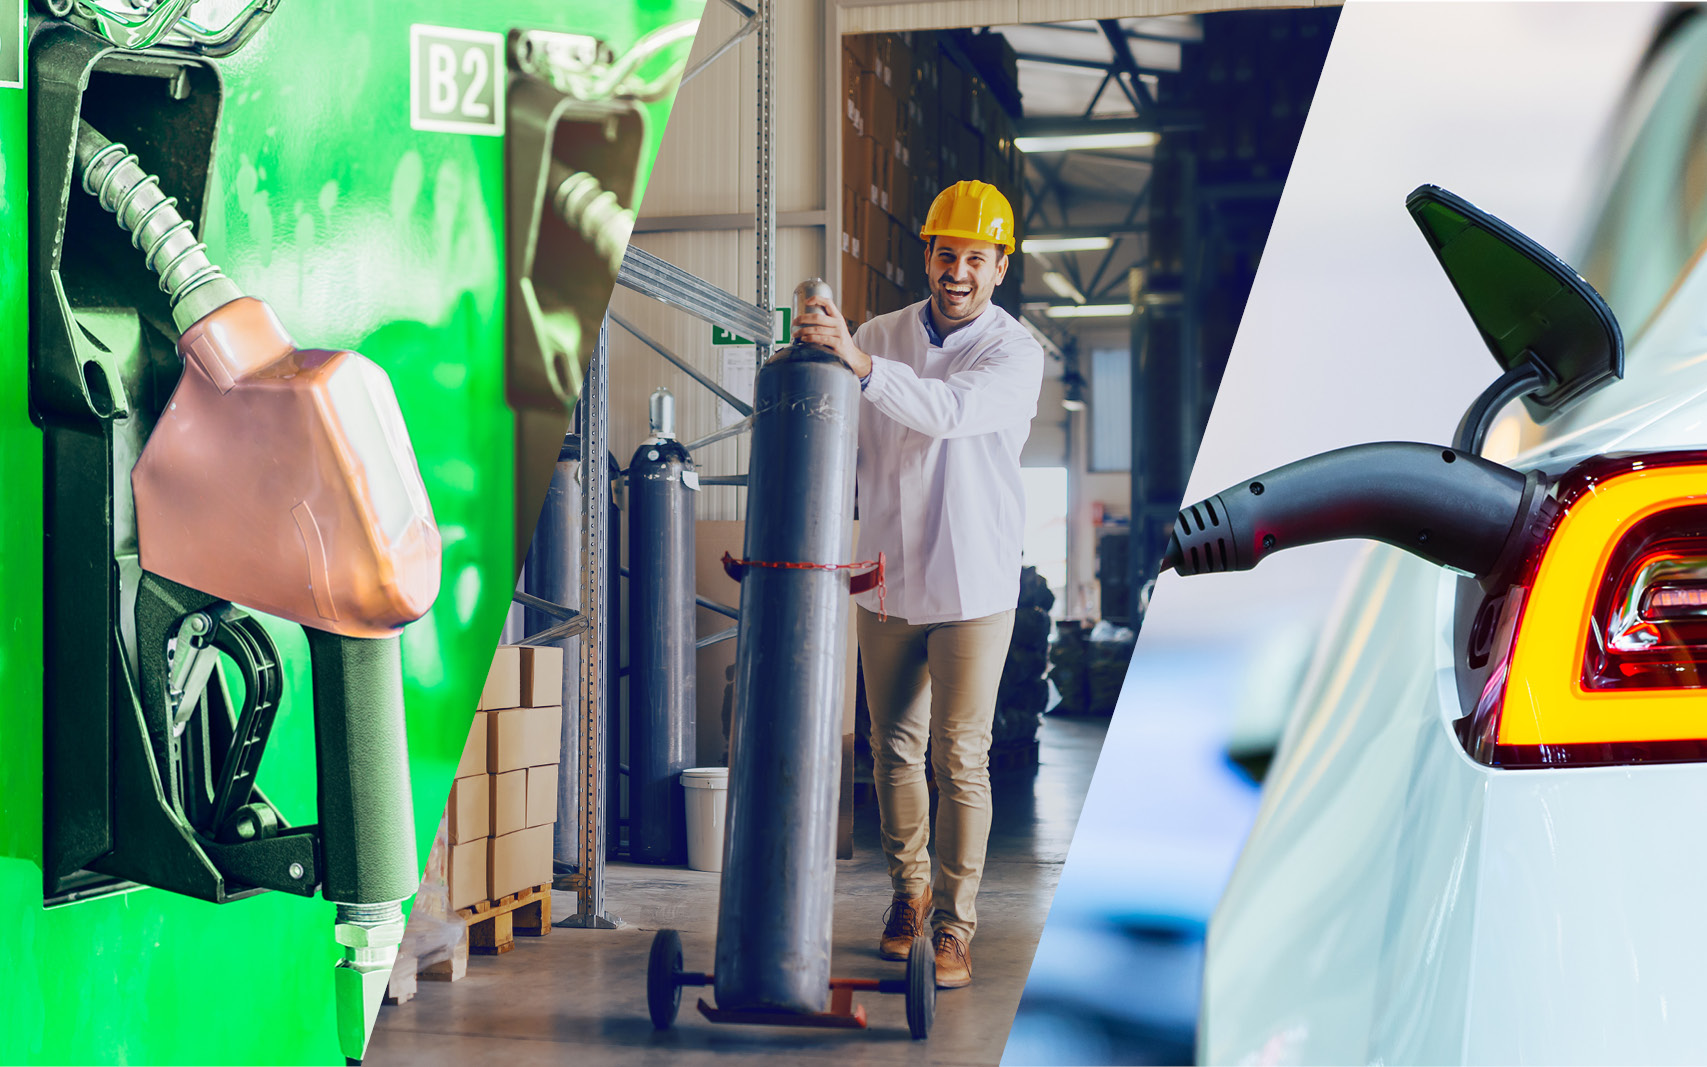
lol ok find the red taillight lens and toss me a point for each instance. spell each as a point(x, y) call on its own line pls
point(1601, 651)
point(1650, 619)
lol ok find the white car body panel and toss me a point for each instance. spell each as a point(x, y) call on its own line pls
point(1398, 902)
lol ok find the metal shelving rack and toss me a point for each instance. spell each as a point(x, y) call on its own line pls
point(660, 280)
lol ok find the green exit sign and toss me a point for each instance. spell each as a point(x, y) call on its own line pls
point(784, 316)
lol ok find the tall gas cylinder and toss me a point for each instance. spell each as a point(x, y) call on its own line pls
point(552, 571)
point(779, 865)
point(661, 710)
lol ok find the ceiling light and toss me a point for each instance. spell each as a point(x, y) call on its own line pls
point(1033, 245)
point(1062, 286)
point(1079, 142)
point(1089, 311)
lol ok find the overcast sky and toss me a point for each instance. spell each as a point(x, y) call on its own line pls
point(1352, 333)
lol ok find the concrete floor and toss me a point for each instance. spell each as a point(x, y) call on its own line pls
point(580, 995)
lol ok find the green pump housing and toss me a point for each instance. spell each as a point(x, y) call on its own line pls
point(303, 164)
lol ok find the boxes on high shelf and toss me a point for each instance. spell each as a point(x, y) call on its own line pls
point(859, 166)
point(951, 92)
point(993, 170)
point(904, 266)
point(916, 285)
point(850, 222)
point(896, 60)
point(852, 298)
point(878, 108)
point(874, 238)
point(972, 152)
point(889, 295)
point(863, 48)
point(978, 102)
point(874, 293)
point(851, 71)
point(900, 190)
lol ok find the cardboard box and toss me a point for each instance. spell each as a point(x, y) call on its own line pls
point(874, 241)
point(474, 749)
point(542, 795)
point(503, 687)
point(469, 811)
point(523, 737)
point(518, 861)
point(898, 254)
point(854, 207)
point(878, 109)
point(851, 71)
point(863, 48)
point(466, 872)
point(859, 166)
point(900, 190)
point(896, 60)
point(882, 166)
point(852, 301)
point(509, 792)
point(542, 677)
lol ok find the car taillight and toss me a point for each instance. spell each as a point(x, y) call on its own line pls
point(1600, 652)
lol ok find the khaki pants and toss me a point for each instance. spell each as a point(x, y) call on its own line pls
point(934, 684)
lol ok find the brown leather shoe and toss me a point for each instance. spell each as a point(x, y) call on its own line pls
point(953, 961)
point(904, 921)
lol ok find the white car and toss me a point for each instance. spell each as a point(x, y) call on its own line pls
point(1481, 840)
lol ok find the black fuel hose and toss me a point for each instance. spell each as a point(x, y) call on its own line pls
point(1449, 507)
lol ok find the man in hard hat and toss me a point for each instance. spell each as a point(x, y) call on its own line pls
point(951, 386)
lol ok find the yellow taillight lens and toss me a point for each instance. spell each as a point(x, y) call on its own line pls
point(1605, 643)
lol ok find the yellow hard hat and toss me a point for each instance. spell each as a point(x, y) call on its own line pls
point(974, 210)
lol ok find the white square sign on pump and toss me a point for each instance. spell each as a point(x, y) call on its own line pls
point(456, 80)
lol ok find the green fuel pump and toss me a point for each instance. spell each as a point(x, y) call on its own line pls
point(267, 476)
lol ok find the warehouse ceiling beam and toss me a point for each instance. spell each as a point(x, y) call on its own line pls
point(1062, 61)
point(1127, 65)
point(1096, 97)
point(1138, 201)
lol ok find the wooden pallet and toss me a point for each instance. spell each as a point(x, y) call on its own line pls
point(494, 924)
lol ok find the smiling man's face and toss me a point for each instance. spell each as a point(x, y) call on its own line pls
point(963, 273)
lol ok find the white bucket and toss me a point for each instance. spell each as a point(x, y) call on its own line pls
point(707, 790)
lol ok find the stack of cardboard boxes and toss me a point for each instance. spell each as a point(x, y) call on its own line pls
point(503, 802)
point(917, 117)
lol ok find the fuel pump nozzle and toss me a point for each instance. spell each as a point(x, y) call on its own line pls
point(284, 480)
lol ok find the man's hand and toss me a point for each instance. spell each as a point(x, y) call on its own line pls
point(826, 328)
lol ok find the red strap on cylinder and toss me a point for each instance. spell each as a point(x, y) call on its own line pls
point(859, 583)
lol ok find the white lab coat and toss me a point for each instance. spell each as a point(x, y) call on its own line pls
point(940, 433)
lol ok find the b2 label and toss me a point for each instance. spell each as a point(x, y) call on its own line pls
point(456, 80)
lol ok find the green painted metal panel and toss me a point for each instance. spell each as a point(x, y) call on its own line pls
point(361, 233)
